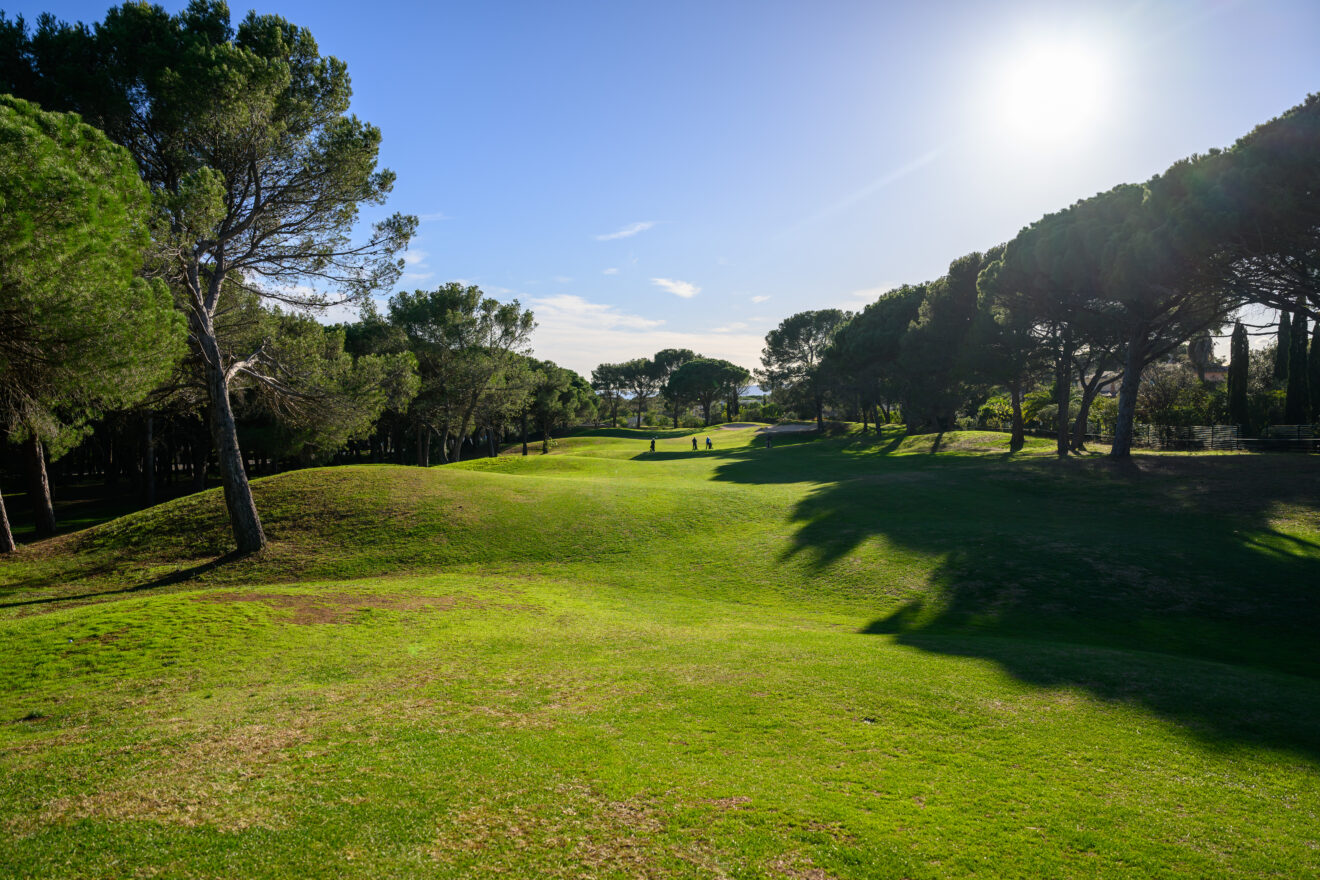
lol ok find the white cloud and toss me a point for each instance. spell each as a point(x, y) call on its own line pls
point(859, 299)
point(677, 288)
point(579, 334)
point(610, 271)
point(562, 279)
point(415, 267)
point(628, 231)
point(437, 215)
point(760, 299)
point(729, 328)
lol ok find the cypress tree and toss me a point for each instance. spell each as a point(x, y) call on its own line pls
point(1282, 350)
point(1313, 371)
point(1239, 357)
point(1297, 405)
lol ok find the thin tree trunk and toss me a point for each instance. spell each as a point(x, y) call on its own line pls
point(43, 511)
point(1127, 395)
point(524, 431)
point(820, 414)
point(1063, 393)
point(1018, 438)
point(423, 446)
point(6, 534)
point(149, 463)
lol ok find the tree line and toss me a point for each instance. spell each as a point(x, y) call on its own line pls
point(678, 378)
point(1091, 296)
point(179, 196)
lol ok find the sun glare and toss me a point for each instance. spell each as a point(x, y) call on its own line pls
point(1052, 94)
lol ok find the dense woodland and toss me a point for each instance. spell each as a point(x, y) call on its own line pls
point(179, 196)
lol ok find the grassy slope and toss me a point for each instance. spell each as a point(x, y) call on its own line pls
point(837, 658)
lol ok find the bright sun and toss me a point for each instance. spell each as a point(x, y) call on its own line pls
point(1052, 94)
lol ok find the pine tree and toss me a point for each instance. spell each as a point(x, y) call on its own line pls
point(1239, 357)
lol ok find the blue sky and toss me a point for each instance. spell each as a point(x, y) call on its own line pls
point(690, 173)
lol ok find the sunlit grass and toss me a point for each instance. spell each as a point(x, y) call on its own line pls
point(848, 657)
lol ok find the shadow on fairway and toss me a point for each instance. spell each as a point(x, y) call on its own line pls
point(1045, 566)
point(167, 580)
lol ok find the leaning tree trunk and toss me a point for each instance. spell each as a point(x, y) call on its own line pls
point(43, 511)
point(6, 534)
point(1127, 396)
point(243, 518)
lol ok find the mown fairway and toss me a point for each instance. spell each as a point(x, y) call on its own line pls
point(845, 657)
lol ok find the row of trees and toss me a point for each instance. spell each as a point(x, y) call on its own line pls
point(179, 196)
point(1088, 296)
point(679, 377)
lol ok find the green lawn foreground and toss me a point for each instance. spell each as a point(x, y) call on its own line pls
point(841, 657)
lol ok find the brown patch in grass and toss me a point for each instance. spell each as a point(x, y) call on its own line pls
point(576, 833)
point(197, 783)
point(304, 609)
point(797, 867)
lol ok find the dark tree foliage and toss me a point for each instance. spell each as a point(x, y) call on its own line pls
point(706, 380)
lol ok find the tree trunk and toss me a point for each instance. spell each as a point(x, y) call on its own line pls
point(676, 414)
point(243, 519)
point(1018, 438)
point(524, 431)
point(6, 535)
point(1063, 393)
point(201, 453)
point(820, 414)
point(640, 405)
point(1127, 395)
point(149, 463)
point(423, 446)
point(43, 511)
point(545, 438)
point(490, 435)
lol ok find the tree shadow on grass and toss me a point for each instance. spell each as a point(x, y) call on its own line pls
point(166, 580)
point(1091, 574)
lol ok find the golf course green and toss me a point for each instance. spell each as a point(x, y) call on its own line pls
point(847, 656)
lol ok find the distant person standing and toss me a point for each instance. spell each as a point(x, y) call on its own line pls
point(653, 444)
point(694, 444)
point(709, 445)
point(768, 444)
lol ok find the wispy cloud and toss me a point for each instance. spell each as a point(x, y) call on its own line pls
point(677, 288)
point(562, 279)
point(415, 267)
point(627, 232)
point(760, 299)
point(432, 217)
point(859, 299)
point(730, 328)
point(610, 271)
point(870, 189)
point(580, 334)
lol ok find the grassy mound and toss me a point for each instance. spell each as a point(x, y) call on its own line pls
point(844, 657)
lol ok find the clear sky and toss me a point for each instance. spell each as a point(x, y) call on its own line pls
point(690, 173)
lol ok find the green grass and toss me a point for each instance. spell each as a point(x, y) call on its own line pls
point(844, 657)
